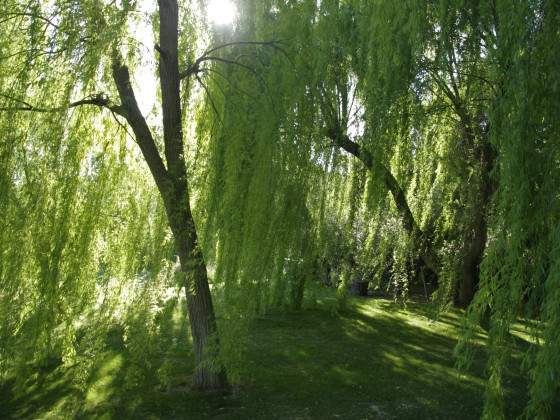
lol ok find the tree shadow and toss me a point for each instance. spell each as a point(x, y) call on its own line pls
point(375, 360)
point(41, 395)
point(59, 390)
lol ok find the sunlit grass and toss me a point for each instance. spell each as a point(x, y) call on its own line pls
point(377, 359)
point(101, 385)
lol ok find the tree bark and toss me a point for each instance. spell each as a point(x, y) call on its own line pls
point(475, 241)
point(173, 186)
point(208, 375)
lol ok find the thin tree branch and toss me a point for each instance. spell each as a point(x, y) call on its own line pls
point(35, 52)
point(98, 100)
point(195, 68)
point(210, 98)
point(122, 125)
point(217, 84)
point(33, 15)
point(240, 56)
point(273, 44)
point(230, 83)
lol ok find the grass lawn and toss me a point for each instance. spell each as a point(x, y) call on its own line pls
point(376, 360)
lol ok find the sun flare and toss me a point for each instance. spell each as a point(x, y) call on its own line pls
point(221, 12)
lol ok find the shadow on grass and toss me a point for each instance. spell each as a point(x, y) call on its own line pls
point(376, 360)
point(58, 391)
point(41, 396)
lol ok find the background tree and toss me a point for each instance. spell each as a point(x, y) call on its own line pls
point(520, 273)
point(434, 79)
point(403, 91)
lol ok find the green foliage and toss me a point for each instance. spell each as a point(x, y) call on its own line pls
point(81, 229)
point(454, 102)
point(520, 270)
point(255, 199)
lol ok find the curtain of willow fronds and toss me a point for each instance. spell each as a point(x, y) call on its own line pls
point(508, 80)
point(336, 71)
point(78, 225)
point(441, 196)
point(520, 274)
point(511, 81)
point(255, 127)
point(83, 233)
point(410, 123)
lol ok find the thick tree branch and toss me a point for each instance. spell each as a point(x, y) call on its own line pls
point(142, 133)
point(423, 243)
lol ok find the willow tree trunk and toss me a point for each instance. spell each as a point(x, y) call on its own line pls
point(475, 240)
point(173, 186)
point(475, 244)
point(208, 375)
point(199, 300)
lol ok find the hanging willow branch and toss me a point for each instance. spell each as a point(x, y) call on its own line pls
point(228, 81)
point(196, 68)
point(11, 15)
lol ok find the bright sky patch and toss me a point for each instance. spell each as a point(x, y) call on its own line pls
point(221, 12)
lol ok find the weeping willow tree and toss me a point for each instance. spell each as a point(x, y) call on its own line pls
point(471, 84)
point(368, 134)
point(68, 200)
point(68, 68)
point(450, 107)
point(413, 98)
